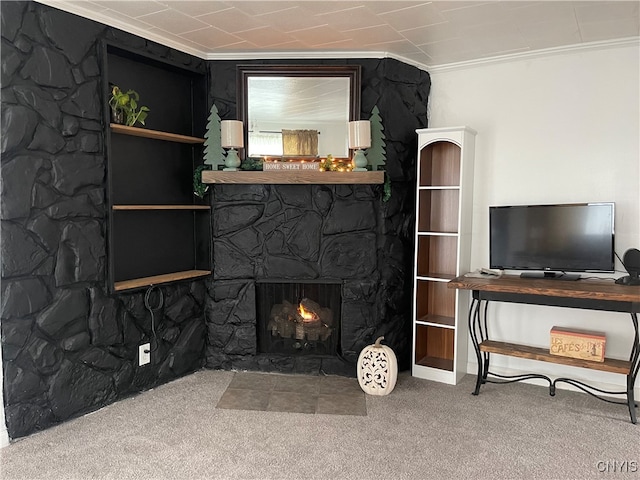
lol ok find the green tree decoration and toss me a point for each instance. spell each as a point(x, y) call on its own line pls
point(376, 153)
point(213, 151)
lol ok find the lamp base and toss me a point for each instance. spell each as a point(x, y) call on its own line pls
point(360, 161)
point(232, 162)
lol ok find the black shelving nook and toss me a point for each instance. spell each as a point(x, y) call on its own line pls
point(159, 231)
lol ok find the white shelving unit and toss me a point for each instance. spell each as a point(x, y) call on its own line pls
point(444, 201)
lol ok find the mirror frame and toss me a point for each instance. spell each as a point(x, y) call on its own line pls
point(353, 72)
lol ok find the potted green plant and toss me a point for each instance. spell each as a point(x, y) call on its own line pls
point(124, 107)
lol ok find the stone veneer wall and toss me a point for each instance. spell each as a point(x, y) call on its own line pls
point(68, 346)
point(321, 231)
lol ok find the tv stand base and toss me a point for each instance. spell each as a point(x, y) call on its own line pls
point(551, 276)
point(586, 295)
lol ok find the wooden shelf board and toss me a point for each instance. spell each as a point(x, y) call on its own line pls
point(161, 207)
point(436, 362)
point(154, 134)
point(432, 276)
point(157, 279)
point(437, 320)
point(431, 233)
point(297, 177)
point(541, 354)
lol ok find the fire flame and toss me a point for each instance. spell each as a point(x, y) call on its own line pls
point(306, 315)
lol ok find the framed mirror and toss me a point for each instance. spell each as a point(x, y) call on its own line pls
point(298, 110)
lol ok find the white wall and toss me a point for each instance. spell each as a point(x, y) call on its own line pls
point(559, 128)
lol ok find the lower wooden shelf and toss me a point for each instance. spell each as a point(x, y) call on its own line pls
point(431, 319)
point(534, 353)
point(157, 279)
point(436, 362)
point(296, 177)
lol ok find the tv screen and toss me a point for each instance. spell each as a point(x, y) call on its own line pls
point(566, 237)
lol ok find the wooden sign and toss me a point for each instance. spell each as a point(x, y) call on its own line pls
point(576, 343)
point(289, 166)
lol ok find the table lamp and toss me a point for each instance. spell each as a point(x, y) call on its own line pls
point(232, 137)
point(359, 139)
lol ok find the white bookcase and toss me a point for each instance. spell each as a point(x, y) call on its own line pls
point(444, 203)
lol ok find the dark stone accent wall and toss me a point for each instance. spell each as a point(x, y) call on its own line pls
point(68, 346)
point(321, 231)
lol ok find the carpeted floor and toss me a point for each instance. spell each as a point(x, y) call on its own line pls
point(423, 430)
point(294, 394)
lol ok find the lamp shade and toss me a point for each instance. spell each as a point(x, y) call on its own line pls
point(360, 134)
point(231, 134)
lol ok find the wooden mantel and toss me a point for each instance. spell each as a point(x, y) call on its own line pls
point(299, 177)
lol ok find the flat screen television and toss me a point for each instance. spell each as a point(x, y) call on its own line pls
point(548, 240)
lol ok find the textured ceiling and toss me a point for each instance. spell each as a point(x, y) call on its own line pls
point(425, 34)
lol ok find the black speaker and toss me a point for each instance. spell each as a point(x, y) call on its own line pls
point(631, 262)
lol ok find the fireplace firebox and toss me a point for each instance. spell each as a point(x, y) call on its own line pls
point(298, 318)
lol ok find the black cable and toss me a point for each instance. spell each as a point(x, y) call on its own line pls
point(147, 296)
point(625, 267)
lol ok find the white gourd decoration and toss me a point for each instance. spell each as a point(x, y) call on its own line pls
point(377, 369)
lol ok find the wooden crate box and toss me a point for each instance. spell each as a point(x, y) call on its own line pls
point(577, 343)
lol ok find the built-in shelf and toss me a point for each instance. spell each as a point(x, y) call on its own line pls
point(158, 279)
point(438, 277)
point(161, 207)
point(440, 320)
point(155, 134)
point(275, 178)
point(159, 233)
point(436, 362)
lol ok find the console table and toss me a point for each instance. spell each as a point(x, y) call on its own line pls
point(585, 294)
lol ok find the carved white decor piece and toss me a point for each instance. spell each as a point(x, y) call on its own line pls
point(377, 369)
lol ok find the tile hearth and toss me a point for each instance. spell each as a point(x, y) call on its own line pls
point(270, 392)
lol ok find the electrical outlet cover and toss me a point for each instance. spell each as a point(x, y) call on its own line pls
point(144, 354)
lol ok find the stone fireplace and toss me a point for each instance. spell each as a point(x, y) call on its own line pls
point(302, 238)
point(320, 232)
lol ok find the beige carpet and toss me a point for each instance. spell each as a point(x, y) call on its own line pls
point(423, 430)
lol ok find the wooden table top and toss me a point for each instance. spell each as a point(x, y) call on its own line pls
point(585, 288)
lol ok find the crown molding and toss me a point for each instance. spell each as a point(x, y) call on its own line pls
point(309, 55)
point(76, 8)
point(294, 55)
point(403, 59)
point(547, 52)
